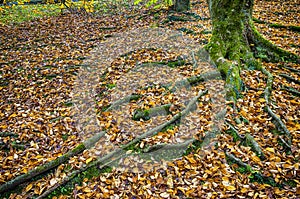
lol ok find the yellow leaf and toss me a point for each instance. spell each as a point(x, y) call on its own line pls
point(87, 190)
point(28, 187)
point(244, 190)
point(170, 182)
point(88, 160)
point(244, 113)
point(181, 189)
point(230, 188)
point(270, 149)
point(255, 159)
point(262, 100)
point(191, 160)
point(39, 157)
point(12, 115)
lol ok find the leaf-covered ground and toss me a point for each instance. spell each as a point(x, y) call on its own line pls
point(41, 61)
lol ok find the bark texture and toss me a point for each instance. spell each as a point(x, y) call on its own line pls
point(181, 5)
point(235, 43)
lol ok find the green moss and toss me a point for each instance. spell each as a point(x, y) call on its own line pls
point(234, 135)
point(110, 86)
point(68, 104)
point(152, 112)
point(65, 137)
point(90, 173)
point(16, 190)
point(261, 179)
point(187, 31)
point(197, 144)
point(239, 168)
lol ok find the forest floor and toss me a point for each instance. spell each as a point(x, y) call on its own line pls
point(48, 65)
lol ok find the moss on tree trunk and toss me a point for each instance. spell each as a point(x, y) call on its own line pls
point(181, 5)
point(235, 42)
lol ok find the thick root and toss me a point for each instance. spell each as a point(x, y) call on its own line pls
point(52, 164)
point(265, 49)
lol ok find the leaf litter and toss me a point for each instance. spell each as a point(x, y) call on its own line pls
point(39, 63)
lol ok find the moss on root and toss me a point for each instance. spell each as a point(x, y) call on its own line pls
point(266, 50)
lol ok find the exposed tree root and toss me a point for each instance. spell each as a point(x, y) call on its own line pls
point(290, 78)
point(276, 25)
point(119, 102)
point(152, 112)
point(236, 133)
point(101, 163)
point(170, 63)
point(156, 147)
point(276, 120)
point(179, 84)
point(292, 69)
point(291, 90)
point(52, 164)
point(8, 134)
point(121, 152)
point(236, 160)
point(280, 126)
point(250, 141)
point(266, 50)
point(8, 146)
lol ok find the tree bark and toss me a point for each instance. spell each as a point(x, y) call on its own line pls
point(181, 5)
point(235, 42)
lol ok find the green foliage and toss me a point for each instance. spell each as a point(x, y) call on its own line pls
point(154, 3)
point(20, 13)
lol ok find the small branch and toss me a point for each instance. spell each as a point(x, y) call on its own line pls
point(52, 164)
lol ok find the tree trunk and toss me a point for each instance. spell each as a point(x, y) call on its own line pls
point(235, 42)
point(181, 5)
